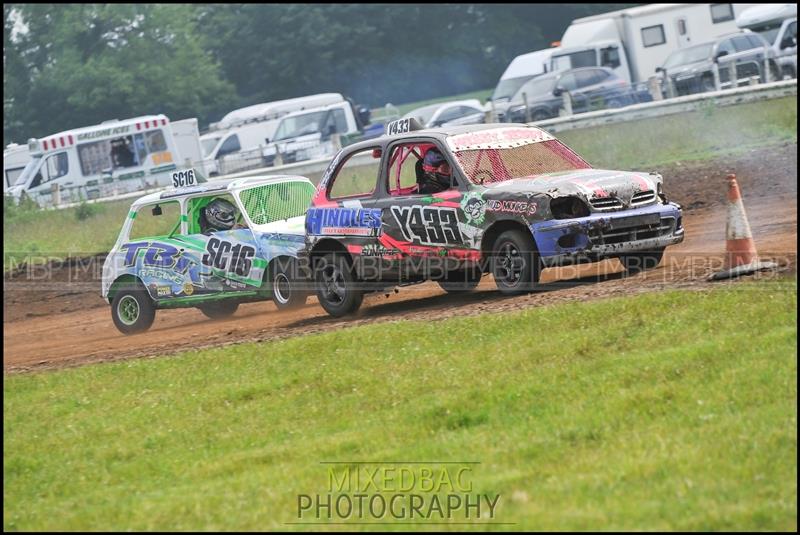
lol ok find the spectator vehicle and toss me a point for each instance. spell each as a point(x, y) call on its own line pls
point(590, 88)
point(691, 70)
point(15, 158)
point(98, 161)
point(636, 40)
point(521, 69)
point(777, 24)
point(450, 113)
point(251, 128)
point(518, 201)
point(167, 255)
point(316, 133)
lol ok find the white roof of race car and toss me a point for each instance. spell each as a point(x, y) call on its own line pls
point(220, 186)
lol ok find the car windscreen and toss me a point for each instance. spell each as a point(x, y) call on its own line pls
point(768, 31)
point(693, 54)
point(535, 88)
point(26, 173)
point(424, 114)
point(209, 144)
point(300, 125)
point(507, 88)
point(503, 154)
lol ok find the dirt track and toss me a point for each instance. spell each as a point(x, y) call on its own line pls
point(62, 321)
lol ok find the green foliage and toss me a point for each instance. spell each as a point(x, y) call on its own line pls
point(80, 64)
point(23, 210)
point(666, 411)
point(85, 210)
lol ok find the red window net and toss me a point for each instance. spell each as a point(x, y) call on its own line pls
point(483, 166)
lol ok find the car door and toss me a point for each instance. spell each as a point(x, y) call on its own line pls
point(221, 261)
point(421, 233)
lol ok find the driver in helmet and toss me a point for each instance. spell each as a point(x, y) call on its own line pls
point(437, 175)
point(217, 215)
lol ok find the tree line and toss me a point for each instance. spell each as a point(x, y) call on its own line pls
point(72, 65)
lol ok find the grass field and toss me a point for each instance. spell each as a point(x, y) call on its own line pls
point(642, 144)
point(671, 410)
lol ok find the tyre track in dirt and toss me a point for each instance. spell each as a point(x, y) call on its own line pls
point(63, 321)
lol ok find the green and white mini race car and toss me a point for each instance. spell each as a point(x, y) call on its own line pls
point(170, 254)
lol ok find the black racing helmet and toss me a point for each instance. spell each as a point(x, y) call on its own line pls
point(219, 214)
point(435, 165)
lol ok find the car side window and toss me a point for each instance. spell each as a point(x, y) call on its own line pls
point(742, 43)
point(453, 112)
point(55, 166)
point(726, 46)
point(157, 219)
point(405, 168)
point(568, 82)
point(585, 78)
point(357, 176)
point(230, 146)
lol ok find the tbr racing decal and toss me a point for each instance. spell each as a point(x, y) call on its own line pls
point(428, 225)
point(343, 222)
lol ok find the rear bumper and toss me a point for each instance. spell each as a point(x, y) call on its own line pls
point(607, 235)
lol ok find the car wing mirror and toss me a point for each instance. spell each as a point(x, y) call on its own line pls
point(558, 91)
point(720, 54)
point(157, 210)
point(789, 42)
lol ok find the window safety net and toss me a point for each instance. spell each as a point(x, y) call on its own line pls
point(274, 202)
point(483, 166)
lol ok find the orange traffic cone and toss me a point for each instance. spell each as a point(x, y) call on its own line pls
point(741, 257)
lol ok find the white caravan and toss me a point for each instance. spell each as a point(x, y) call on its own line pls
point(520, 70)
point(634, 41)
point(15, 158)
point(97, 161)
point(253, 127)
point(777, 23)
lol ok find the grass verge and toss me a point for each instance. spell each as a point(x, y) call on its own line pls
point(675, 410)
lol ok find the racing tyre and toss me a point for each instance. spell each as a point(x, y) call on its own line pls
point(283, 283)
point(132, 310)
point(220, 309)
point(637, 262)
point(515, 262)
point(336, 285)
point(461, 281)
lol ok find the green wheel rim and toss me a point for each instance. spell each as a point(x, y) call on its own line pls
point(128, 310)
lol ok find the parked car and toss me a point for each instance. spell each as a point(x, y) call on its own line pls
point(777, 24)
point(691, 70)
point(169, 255)
point(514, 200)
point(449, 113)
point(591, 88)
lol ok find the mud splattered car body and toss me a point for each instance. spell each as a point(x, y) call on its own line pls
point(514, 179)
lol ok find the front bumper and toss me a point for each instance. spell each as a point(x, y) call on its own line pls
point(607, 235)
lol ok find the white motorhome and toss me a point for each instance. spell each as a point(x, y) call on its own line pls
point(634, 41)
point(253, 127)
point(777, 23)
point(96, 161)
point(15, 158)
point(521, 69)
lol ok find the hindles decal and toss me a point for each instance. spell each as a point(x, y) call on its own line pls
point(343, 221)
